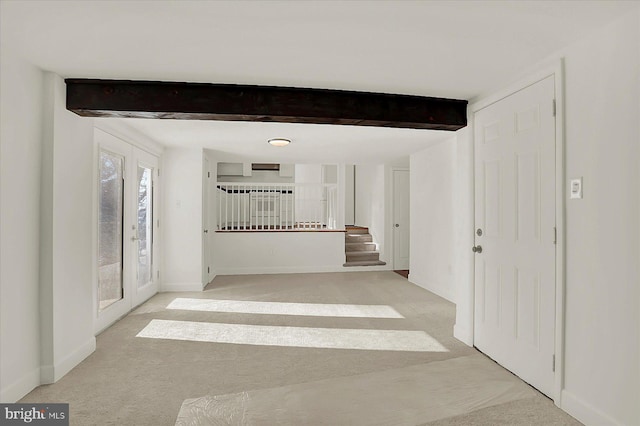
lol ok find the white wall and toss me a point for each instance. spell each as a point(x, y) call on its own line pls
point(278, 252)
point(72, 234)
point(602, 297)
point(432, 174)
point(182, 225)
point(371, 210)
point(349, 195)
point(21, 123)
point(602, 355)
point(46, 284)
point(464, 236)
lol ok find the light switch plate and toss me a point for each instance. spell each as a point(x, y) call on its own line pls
point(575, 188)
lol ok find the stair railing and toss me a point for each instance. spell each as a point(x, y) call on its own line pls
point(276, 206)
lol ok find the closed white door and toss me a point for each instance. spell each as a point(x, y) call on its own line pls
point(401, 219)
point(127, 228)
point(207, 223)
point(515, 233)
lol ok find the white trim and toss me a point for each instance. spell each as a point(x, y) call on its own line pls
point(476, 104)
point(557, 71)
point(74, 358)
point(438, 290)
point(129, 135)
point(47, 374)
point(585, 412)
point(301, 269)
point(52, 373)
point(177, 287)
point(21, 387)
point(463, 334)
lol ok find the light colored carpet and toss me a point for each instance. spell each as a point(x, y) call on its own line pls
point(131, 380)
point(401, 396)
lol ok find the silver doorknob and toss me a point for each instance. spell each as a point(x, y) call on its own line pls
point(477, 249)
point(397, 225)
point(206, 231)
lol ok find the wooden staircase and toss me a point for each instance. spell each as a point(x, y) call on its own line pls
point(359, 247)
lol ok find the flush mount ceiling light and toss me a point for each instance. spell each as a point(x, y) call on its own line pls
point(279, 142)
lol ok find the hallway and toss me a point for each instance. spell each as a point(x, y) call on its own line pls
point(144, 381)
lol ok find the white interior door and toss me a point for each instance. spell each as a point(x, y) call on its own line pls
point(207, 223)
point(514, 321)
point(401, 219)
point(126, 261)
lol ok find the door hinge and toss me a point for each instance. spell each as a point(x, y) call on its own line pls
point(553, 363)
point(208, 174)
point(208, 270)
point(555, 235)
point(158, 274)
point(158, 223)
point(554, 107)
point(158, 172)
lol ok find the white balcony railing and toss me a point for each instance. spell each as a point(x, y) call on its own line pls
point(276, 207)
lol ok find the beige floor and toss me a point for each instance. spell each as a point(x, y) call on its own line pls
point(133, 380)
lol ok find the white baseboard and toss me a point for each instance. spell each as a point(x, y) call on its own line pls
point(47, 374)
point(298, 269)
point(378, 268)
point(173, 287)
point(52, 373)
point(463, 334)
point(440, 290)
point(585, 412)
point(74, 358)
point(18, 389)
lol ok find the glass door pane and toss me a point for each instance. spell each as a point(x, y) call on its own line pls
point(145, 226)
point(110, 229)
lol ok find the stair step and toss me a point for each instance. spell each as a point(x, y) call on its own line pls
point(358, 238)
point(356, 230)
point(359, 256)
point(350, 247)
point(366, 263)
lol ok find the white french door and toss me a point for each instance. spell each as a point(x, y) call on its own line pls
point(514, 320)
point(126, 228)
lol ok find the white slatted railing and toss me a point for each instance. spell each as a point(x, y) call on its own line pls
point(276, 207)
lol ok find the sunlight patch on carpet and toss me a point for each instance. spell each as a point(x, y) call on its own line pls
point(301, 337)
point(285, 308)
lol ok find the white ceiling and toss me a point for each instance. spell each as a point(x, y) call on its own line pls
point(311, 143)
point(455, 49)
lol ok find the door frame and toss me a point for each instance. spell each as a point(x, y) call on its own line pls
point(465, 331)
point(392, 222)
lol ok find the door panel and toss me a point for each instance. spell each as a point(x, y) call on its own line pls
point(515, 211)
point(110, 229)
point(145, 225)
point(144, 230)
point(401, 254)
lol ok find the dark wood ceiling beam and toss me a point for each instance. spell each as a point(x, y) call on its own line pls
point(228, 102)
